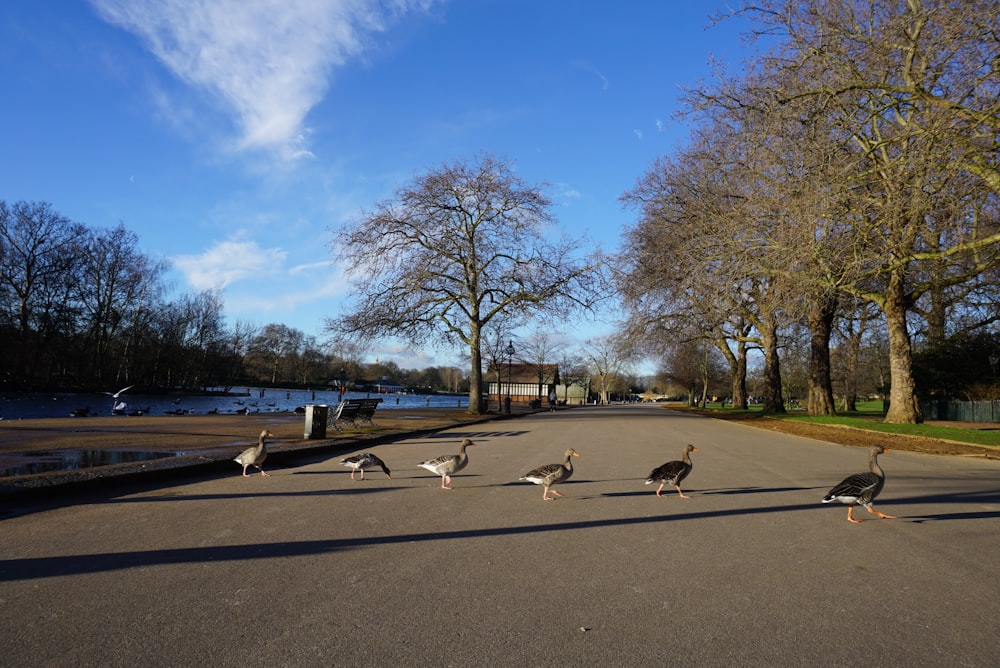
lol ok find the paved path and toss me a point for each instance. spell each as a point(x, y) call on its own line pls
point(307, 568)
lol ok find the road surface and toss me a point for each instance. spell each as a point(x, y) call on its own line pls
point(309, 568)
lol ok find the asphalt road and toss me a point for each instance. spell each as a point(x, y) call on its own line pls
point(307, 568)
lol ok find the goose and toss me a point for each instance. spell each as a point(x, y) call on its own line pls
point(862, 488)
point(673, 472)
point(365, 460)
point(446, 465)
point(254, 456)
point(551, 474)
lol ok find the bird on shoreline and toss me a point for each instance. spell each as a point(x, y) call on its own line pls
point(365, 460)
point(862, 488)
point(254, 456)
point(673, 472)
point(552, 474)
point(447, 465)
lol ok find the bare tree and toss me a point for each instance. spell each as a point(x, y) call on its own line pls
point(858, 322)
point(573, 370)
point(458, 247)
point(700, 263)
point(115, 276)
point(272, 348)
point(609, 362)
point(538, 352)
point(911, 90)
point(38, 248)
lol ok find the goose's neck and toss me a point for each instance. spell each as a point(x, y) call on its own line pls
point(873, 465)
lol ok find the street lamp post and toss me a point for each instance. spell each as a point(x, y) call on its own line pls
point(510, 357)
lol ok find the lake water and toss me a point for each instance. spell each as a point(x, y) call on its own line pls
point(254, 400)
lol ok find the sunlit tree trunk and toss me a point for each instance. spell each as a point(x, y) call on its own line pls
point(821, 314)
point(903, 405)
point(773, 400)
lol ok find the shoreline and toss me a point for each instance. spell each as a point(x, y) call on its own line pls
point(193, 442)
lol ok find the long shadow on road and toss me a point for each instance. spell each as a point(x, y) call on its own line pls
point(47, 567)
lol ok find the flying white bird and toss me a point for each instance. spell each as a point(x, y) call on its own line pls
point(120, 392)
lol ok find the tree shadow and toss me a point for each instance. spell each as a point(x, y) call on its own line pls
point(47, 567)
point(756, 490)
point(979, 498)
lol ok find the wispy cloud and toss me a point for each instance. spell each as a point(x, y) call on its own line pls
point(228, 262)
point(584, 65)
point(270, 61)
point(566, 193)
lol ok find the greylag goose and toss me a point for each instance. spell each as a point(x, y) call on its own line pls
point(551, 474)
point(862, 488)
point(446, 465)
point(673, 472)
point(254, 456)
point(365, 460)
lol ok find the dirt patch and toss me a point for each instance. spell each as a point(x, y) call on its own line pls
point(861, 438)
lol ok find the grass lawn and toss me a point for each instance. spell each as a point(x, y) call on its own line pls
point(869, 416)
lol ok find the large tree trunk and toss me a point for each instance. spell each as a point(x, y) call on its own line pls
point(738, 371)
point(739, 384)
point(773, 400)
point(476, 373)
point(821, 314)
point(903, 405)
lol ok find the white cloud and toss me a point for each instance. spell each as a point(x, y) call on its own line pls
point(566, 192)
point(228, 262)
point(310, 267)
point(270, 61)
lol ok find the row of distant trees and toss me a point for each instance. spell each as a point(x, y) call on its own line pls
point(85, 308)
point(839, 196)
point(52, 326)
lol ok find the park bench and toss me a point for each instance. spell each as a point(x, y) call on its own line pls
point(355, 412)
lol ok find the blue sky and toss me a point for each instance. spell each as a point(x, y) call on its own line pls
point(234, 136)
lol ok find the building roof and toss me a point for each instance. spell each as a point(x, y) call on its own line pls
point(528, 373)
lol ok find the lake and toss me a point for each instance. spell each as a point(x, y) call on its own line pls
point(253, 400)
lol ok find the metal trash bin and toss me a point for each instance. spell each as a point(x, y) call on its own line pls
point(316, 415)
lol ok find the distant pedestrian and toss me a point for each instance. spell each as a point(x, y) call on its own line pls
point(552, 399)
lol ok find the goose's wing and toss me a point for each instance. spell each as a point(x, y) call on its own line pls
point(853, 487)
point(543, 473)
point(354, 461)
point(439, 464)
point(255, 455)
point(246, 457)
point(666, 473)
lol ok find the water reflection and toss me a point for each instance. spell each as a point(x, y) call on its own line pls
point(46, 461)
